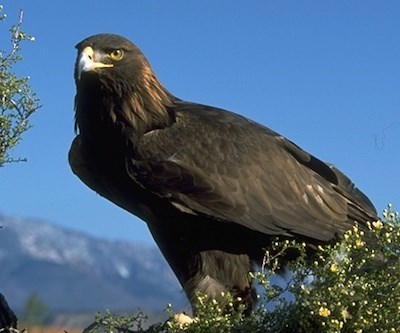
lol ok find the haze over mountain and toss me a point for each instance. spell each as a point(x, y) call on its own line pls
point(72, 272)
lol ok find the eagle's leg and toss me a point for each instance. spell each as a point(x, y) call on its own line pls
point(216, 272)
point(203, 270)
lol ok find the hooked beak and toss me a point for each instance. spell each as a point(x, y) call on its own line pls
point(87, 61)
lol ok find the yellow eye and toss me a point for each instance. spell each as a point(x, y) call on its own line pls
point(116, 55)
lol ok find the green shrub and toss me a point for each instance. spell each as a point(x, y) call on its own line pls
point(17, 100)
point(352, 286)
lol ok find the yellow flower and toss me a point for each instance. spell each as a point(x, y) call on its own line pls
point(377, 225)
point(334, 268)
point(345, 314)
point(359, 243)
point(324, 312)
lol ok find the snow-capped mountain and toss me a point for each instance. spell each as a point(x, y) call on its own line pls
point(71, 271)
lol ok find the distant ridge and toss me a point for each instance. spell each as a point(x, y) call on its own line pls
point(71, 271)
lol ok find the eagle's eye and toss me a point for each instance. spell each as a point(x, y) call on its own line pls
point(116, 55)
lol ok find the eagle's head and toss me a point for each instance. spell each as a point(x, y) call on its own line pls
point(116, 85)
point(111, 58)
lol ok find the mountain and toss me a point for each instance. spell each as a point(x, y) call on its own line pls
point(71, 271)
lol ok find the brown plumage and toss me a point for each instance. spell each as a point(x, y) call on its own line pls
point(213, 186)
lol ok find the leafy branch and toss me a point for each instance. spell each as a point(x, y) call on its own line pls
point(17, 99)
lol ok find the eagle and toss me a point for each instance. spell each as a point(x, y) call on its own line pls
point(214, 188)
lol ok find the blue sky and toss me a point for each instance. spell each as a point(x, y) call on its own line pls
point(325, 74)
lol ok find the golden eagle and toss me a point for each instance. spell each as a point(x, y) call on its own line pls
point(213, 187)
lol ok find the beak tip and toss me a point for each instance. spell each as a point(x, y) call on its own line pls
point(86, 62)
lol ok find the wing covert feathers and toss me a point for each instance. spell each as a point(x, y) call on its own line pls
point(215, 163)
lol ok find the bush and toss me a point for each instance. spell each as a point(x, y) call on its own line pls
point(352, 286)
point(17, 100)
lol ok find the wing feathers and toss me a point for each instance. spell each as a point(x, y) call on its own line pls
point(187, 186)
point(213, 163)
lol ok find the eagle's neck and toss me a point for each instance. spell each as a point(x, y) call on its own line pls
point(122, 112)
